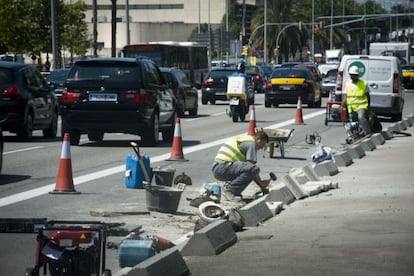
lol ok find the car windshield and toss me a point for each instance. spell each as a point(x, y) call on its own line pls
point(109, 71)
point(6, 76)
point(181, 77)
point(57, 75)
point(289, 73)
point(219, 73)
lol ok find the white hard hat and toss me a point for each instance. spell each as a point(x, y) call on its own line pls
point(353, 70)
point(210, 211)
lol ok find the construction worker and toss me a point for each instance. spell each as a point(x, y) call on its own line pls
point(357, 99)
point(235, 163)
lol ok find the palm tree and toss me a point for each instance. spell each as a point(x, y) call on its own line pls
point(280, 13)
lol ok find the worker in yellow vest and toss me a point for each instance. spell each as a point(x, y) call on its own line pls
point(235, 163)
point(357, 99)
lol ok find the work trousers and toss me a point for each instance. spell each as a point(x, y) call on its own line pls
point(362, 115)
point(238, 175)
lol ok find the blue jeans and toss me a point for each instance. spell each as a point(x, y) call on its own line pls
point(238, 175)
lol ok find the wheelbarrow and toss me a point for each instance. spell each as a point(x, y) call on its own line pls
point(277, 137)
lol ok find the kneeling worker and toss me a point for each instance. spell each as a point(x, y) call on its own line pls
point(235, 163)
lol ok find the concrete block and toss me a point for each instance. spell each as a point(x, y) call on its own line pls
point(167, 262)
point(310, 173)
point(368, 145)
point(255, 212)
point(342, 159)
point(280, 192)
point(299, 174)
point(326, 168)
point(323, 185)
point(387, 133)
point(211, 240)
point(356, 151)
point(378, 139)
point(295, 187)
point(401, 125)
point(410, 118)
point(275, 207)
point(311, 182)
point(407, 122)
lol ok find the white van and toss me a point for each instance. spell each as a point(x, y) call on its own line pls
point(384, 77)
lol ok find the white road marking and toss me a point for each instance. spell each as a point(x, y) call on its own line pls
point(21, 150)
point(99, 174)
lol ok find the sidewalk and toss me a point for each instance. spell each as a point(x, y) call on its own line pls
point(366, 227)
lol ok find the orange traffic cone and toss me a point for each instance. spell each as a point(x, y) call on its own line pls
point(252, 121)
point(64, 180)
point(177, 149)
point(299, 117)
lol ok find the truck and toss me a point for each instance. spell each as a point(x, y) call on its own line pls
point(333, 56)
point(402, 50)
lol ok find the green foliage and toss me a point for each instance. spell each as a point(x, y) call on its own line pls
point(26, 26)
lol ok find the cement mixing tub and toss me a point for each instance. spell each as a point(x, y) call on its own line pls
point(162, 198)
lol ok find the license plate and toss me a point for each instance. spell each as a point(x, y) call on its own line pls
point(234, 101)
point(102, 97)
point(285, 87)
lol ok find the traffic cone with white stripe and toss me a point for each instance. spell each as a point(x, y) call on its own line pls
point(252, 121)
point(177, 148)
point(64, 179)
point(299, 116)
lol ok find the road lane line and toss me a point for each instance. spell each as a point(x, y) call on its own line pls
point(107, 172)
point(21, 150)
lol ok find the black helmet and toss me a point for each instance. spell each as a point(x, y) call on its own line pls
point(241, 67)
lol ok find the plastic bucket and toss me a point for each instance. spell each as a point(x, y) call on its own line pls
point(163, 176)
point(162, 198)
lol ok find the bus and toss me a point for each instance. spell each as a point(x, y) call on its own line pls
point(402, 50)
point(191, 57)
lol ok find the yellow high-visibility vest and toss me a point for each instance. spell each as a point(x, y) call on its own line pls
point(230, 152)
point(356, 98)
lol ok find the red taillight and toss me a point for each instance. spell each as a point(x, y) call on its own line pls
point(208, 82)
point(136, 98)
point(257, 77)
point(339, 80)
point(268, 85)
point(12, 92)
point(175, 91)
point(395, 84)
point(70, 97)
point(326, 81)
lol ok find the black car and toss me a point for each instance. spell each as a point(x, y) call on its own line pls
point(214, 86)
point(1, 149)
point(256, 75)
point(184, 92)
point(56, 80)
point(117, 95)
point(26, 101)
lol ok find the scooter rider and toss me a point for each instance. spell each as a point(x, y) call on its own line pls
point(241, 72)
point(357, 99)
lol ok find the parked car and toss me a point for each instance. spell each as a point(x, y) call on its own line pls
point(214, 86)
point(290, 83)
point(26, 101)
point(1, 148)
point(56, 80)
point(329, 82)
point(184, 92)
point(117, 95)
point(408, 76)
point(257, 76)
point(383, 75)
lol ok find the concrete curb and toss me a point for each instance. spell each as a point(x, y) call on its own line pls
point(275, 207)
point(210, 240)
point(356, 151)
point(342, 159)
point(368, 145)
point(387, 134)
point(378, 139)
point(295, 187)
point(255, 212)
point(326, 168)
point(280, 192)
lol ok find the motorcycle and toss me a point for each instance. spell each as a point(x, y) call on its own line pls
point(239, 93)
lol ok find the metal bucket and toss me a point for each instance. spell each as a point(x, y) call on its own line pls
point(163, 198)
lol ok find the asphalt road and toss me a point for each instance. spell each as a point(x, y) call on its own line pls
point(98, 171)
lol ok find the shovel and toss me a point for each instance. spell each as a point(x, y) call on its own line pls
point(140, 161)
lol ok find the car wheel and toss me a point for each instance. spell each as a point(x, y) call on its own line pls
point(213, 101)
point(27, 130)
point(168, 134)
point(74, 137)
point(150, 136)
point(268, 104)
point(193, 111)
point(396, 117)
point(52, 130)
point(204, 101)
point(1, 155)
point(95, 136)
